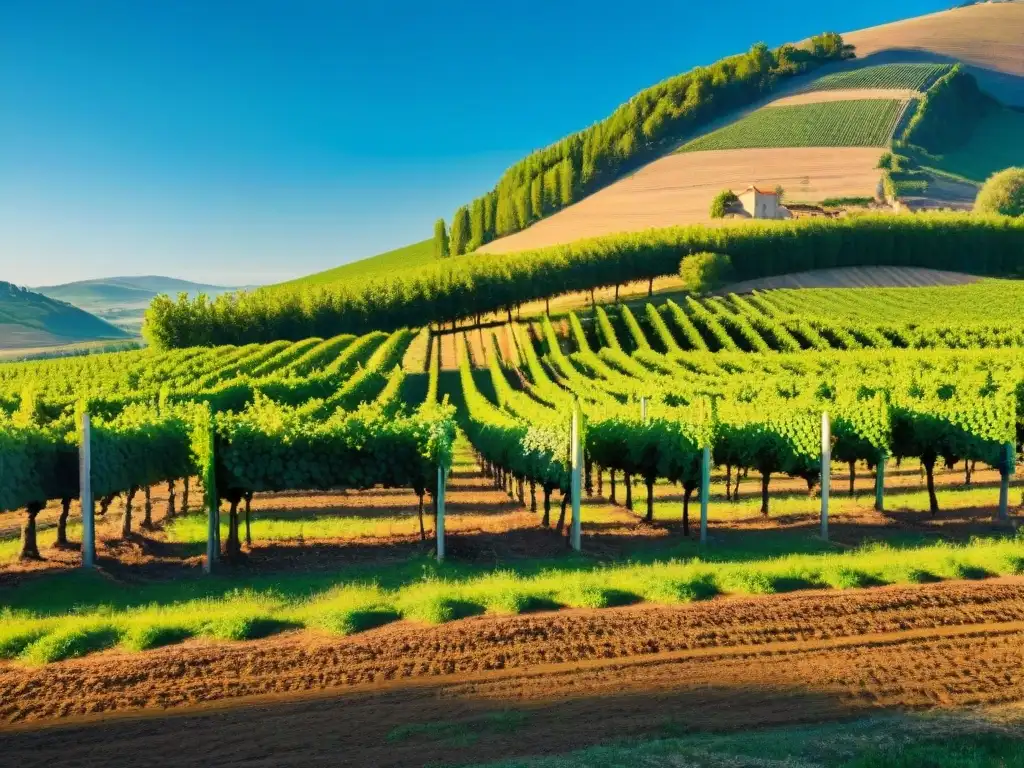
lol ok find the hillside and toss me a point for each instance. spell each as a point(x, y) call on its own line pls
point(987, 37)
point(29, 320)
point(414, 255)
point(122, 301)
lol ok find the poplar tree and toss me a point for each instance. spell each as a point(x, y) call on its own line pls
point(440, 240)
point(459, 238)
point(476, 224)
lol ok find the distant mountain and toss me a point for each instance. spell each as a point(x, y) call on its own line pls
point(29, 319)
point(123, 300)
point(126, 289)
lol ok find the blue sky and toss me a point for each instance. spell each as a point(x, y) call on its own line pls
point(236, 143)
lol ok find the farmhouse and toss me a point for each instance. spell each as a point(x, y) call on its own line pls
point(761, 203)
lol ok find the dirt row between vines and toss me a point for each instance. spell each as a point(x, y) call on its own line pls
point(544, 683)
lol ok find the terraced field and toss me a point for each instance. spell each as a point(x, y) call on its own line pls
point(847, 123)
point(909, 76)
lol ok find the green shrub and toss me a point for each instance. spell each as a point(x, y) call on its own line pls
point(71, 642)
point(885, 161)
point(704, 272)
point(721, 203)
point(1003, 193)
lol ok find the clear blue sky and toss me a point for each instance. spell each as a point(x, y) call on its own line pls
point(244, 142)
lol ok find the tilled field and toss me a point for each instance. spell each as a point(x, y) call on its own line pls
point(491, 687)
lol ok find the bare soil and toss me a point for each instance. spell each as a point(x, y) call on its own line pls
point(487, 688)
point(845, 94)
point(678, 188)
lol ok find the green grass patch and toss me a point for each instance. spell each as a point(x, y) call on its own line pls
point(854, 123)
point(994, 145)
point(409, 256)
point(69, 642)
point(72, 613)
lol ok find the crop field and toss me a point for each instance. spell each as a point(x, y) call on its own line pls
point(321, 460)
point(852, 123)
point(915, 77)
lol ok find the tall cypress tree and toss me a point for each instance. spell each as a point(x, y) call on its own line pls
point(476, 224)
point(567, 181)
point(459, 238)
point(440, 240)
point(489, 217)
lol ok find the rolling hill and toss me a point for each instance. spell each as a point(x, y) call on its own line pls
point(819, 135)
point(122, 301)
point(29, 320)
point(413, 255)
point(812, 137)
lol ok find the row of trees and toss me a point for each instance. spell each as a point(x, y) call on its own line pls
point(465, 287)
point(558, 175)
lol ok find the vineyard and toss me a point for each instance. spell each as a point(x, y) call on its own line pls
point(854, 123)
point(917, 77)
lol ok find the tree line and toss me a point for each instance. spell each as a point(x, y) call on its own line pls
point(552, 178)
point(454, 288)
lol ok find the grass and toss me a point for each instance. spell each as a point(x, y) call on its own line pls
point(10, 548)
point(890, 741)
point(269, 527)
point(995, 144)
point(72, 614)
point(414, 255)
point(855, 123)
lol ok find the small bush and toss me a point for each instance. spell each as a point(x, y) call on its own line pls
point(885, 161)
point(245, 627)
point(13, 643)
point(704, 272)
point(146, 636)
point(357, 620)
point(440, 609)
point(1003, 193)
point(70, 643)
point(721, 202)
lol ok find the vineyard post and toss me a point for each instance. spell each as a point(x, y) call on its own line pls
point(1009, 462)
point(705, 492)
point(441, 482)
point(212, 505)
point(826, 470)
point(576, 454)
point(643, 409)
point(85, 494)
point(880, 483)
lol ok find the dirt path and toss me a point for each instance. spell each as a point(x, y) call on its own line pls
point(486, 688)
point(845, 94)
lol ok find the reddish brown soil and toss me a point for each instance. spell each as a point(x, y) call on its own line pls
point(523, 685)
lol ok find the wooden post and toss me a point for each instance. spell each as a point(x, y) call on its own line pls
point(1009, 465)
point(442, 479)
point(826, 470)
point(85, 494)
point(643, 409)
point(212, 505)
point(880, 483)
point(576, 457)
point(705, 492)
